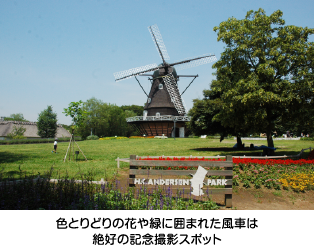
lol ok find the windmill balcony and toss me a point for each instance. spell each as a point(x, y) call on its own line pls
point(159, 118)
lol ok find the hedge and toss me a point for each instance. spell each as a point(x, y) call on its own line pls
point(36, 141)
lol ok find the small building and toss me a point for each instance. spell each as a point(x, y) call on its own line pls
point(6, 127)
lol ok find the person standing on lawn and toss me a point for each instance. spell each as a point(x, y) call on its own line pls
point(55, 145)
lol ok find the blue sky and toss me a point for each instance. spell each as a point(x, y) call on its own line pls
point(56, 52)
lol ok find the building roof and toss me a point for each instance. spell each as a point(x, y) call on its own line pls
point(6, 127)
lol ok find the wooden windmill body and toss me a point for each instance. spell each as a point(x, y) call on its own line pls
point(164, 112)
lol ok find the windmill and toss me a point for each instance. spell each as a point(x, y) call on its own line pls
point(164, 105)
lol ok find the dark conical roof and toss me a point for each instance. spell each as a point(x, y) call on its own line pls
point(157, 73)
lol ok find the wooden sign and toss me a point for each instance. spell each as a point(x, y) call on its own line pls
point(195, 182)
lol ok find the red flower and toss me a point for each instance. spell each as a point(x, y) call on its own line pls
point(271, 161)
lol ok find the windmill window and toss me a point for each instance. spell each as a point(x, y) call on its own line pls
point(157, 115)
point(149, 100)
point(161, 86)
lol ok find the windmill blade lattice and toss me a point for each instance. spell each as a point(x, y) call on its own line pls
point(157, 38)
point(121, 75)
point(193, 62)
point(173, 90)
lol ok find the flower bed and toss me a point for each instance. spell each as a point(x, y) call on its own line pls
point(142, 137)
point(274, 173)
point(67, 194)
point(297, 175)
point(181, 159)
point(298, 181)
point(272, 161)
point(113, 138)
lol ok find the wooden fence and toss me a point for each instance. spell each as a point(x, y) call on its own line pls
point(142, 171)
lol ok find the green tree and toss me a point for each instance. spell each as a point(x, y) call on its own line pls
point(96, 119)
point(47, 123)
point(137, 109)
point(15, 117)
point(78, 115)
point(105, 119)
point(265, 72)
point(128, 129)
point(17, 132)
point(203, 112)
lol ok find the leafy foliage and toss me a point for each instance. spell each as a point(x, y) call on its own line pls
point(66, 194)
point(104, 119)
point(203, 113)
point(75, 111)
point(137, 109)
point(47, 123)
point(16, 117)
point(92, 137)
point(35, 141)
point(265, 72)
point(17, 132)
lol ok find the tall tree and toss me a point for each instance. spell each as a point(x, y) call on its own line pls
point(47, 123)
point(203, 112)
point(96, 119)
point(203, 115)
point(265, 71)
point(105, 119)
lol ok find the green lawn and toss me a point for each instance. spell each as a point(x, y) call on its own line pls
point(101, 154)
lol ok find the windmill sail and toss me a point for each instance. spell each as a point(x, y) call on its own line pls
point(193, 62)
point(121, 75)
point(173, 90)
point(157, 38)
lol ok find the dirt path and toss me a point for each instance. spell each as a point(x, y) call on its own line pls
point(256, 199)
point(265, 199)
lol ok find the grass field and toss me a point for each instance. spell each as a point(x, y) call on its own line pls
point(38, 158)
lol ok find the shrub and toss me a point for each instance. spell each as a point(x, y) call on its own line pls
point(307, 138)
point(212, 137)
point(35, 141)
point(67, 194)
point(92, 137)
point(17, 133)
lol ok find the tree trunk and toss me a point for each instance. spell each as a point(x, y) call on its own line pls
point(239, 142)
point(270, 142)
